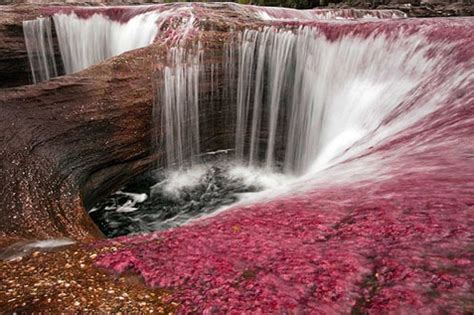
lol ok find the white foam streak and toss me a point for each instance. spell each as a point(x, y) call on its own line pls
point(178, 180)
point(286, 14)
point(50, 243)
point(254, 176)
point(39, 45)
point(129, 206)
point(23, 248)
point(178, 106)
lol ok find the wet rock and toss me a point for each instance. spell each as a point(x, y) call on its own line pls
point(68, 141)
point(429, 9)
point(42, 284)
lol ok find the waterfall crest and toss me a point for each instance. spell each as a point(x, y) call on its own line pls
point(89, 35)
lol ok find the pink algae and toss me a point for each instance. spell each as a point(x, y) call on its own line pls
point(402, 243)
point(399, 243)
point(329, 251)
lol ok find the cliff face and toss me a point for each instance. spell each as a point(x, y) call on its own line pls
point(14, 68)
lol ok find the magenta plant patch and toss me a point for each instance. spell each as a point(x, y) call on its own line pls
point(331, 251)
point(396, 239)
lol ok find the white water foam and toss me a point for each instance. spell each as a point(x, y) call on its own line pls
point(286, 14)
point(181, 179)
point(178, 180)
point(129, 206)
point(24, 248)
point(256, 176)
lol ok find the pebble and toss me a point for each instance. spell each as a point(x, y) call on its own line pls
point(28, 284)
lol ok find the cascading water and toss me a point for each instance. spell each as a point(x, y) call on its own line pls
point(88, 36)
point(304, 100)
point(180, 106)
point(39, 45)
point(85, 42)
point(301, 99)
point(315, 97)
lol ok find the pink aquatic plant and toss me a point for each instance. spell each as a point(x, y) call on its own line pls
point(399, 240)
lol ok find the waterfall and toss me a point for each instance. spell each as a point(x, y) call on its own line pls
point(89, 35)
point(378, 118)
point(179, 103)
point(39, 45)
point(190, 91)
point(243, 93)
point(303, 100)
point(303, 97)
point(84, 42)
